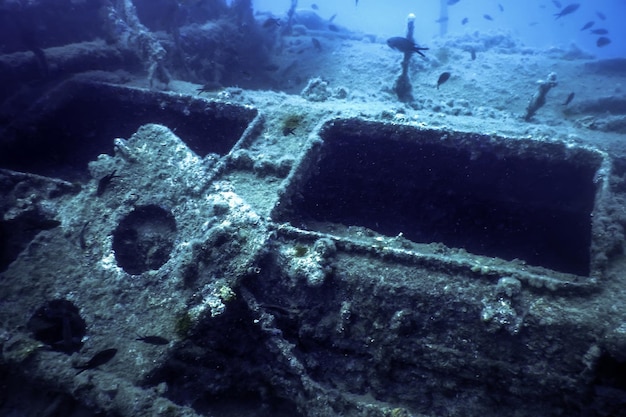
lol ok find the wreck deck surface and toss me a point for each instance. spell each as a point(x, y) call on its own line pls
point(314, 257)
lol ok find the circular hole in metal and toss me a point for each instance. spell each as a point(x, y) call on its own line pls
point(144, 239)
point(59, 325)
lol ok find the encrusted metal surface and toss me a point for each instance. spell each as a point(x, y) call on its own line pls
point(268, 305)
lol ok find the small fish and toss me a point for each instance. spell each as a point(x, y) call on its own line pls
point(404, 45)
point(464, 21)
point(600, 31)
point(316, 44)
point(500, 7)
point(601, 15)
point(315, 6)
point(569, 99)
point(571, 8)
point(98, 359)
point(557, 3)
point(68, 339)
point(153, 340)
point(602, 41)
point(82, 239)
point(333, 28)
point(587, 25)
point(289, 131)
point(104, 182)
point(452, 2)
point(271, 22)
point(330, 20)
point(473, 54)
point(443, 78)
point(441, 20)
point(209, 87)
point(69, 342)
point(487, 17)
point(271, 67)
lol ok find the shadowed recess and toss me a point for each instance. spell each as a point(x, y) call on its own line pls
point(81, 121)
point(508, 198)
point(144, 239)
point(59, 325)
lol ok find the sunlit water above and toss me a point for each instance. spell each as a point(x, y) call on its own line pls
point(532, 22)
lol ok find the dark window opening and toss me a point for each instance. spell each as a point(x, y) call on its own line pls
point(495, 197)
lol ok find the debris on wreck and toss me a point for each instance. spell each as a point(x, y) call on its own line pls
point(539, 99)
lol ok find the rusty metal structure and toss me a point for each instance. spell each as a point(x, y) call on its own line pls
point(300, 265)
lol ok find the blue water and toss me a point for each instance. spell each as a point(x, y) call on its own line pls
point(532, 22)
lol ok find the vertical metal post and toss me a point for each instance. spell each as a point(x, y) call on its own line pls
point(443, 17)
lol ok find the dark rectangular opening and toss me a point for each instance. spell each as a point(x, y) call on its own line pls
point(82, 121)
point(507, 198)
